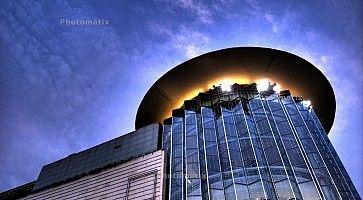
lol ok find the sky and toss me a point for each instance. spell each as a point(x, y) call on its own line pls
point(65, 88)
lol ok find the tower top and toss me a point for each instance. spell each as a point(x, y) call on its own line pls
point(242, 65)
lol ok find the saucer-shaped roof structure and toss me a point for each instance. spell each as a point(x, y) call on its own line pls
point(242, 65)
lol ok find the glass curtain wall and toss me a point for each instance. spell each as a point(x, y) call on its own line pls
point(259, 147)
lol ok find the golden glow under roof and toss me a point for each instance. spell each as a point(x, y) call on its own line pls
point(193, 92)
point(203, 87)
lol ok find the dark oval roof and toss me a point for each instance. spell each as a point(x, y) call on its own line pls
point(242, 64)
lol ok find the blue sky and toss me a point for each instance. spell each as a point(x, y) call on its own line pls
point(66, 88)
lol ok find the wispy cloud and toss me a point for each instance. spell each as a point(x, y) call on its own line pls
point(50, 86)
point(202, 12)
point(190, 43)
point(185, 40)
point(271, 20)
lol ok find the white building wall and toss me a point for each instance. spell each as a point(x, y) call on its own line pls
point(140, 178)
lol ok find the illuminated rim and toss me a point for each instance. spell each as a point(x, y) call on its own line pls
point(241, 65)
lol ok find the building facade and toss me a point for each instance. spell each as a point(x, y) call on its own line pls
point(140, 178)
point(129, 167)
point(250, 144)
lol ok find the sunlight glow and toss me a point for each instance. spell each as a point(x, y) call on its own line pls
point(263, 84)
point(307, 103)
point(229, 80)
point(226, 85)
point(277, 88)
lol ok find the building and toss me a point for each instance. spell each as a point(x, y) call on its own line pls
point(246, 144)
point(230, 141)
point(128, 167)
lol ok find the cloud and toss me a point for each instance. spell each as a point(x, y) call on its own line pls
point(202, 12)
point(271, 20)
point(187, 41)
point(57, 77)
point(192, 51)
point(206, 13)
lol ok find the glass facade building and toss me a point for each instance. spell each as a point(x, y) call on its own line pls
point(246, 144)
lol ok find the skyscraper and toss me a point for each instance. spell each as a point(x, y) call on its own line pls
point(248, 140)
point(250, 144)
point(241, 139)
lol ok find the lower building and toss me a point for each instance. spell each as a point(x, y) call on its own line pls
point(128, 167)
point(139, 178)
